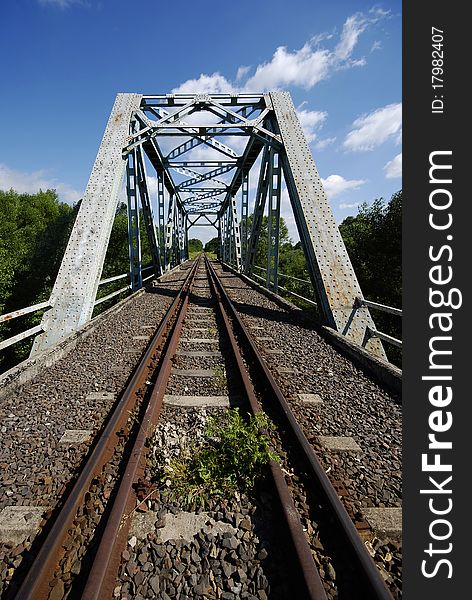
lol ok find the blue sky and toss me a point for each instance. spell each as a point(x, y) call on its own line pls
point(65, 60)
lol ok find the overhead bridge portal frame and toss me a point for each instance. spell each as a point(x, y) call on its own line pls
point(188, 141)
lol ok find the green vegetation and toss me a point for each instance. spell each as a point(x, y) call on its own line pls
point(219, 377)
point(34, 230)
point(373, 239)
point(195, 246)
point(231, 458)
point(211, 247)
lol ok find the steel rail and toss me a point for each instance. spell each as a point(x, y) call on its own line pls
point(375, 585)
point(101, 578)
point(309, 585)
point(35, 585)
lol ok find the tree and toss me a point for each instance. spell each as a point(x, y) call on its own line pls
point(261, 252)
point(373, 240)
point(34, 229)
point(212, 246)
point(195, 246)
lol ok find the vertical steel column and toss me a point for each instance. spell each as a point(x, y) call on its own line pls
point(170, 232)
point(161, 219)
point(227, 238)
point(223, 238)
point(220, 238)
point(147, 212)
point(186, 228)
point(259, 206)
point(244, 214)
point(181, 235)
point(134, 238)
point(176, 235)
point(236, 235)
point(273, 223)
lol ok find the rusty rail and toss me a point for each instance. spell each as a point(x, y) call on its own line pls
point(308, 585)
point(101, 579)
point(375, 587)
point(35, 585)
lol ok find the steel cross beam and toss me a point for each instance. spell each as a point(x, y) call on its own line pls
point(132, 137)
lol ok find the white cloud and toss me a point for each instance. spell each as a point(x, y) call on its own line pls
point(304, 67)
point(242, 72)
point(30, 183)
point(322, 144)
point(206, 84)
point(371, 130)
point(344, 205)
point(376, 46)
point(352, 29)
point(336, 184)
point(152, 186)
point(310, 120)
point(393, 168)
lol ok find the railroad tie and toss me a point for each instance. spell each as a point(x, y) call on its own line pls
point(197, 401)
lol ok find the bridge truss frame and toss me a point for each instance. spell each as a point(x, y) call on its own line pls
point(143, 130)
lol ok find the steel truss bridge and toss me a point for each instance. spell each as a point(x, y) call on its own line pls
point(185, 160)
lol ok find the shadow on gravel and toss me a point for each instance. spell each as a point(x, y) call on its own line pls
point(161, 291)
point(300, 319)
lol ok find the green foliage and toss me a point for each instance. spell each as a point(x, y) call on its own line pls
point(373, 240)
point(195, 246)
point(211, 247)
point(231, 458)
point(34, 230)
point(33, 234)
point(262, 246)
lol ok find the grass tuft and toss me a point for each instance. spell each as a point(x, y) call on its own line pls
point(231, 458)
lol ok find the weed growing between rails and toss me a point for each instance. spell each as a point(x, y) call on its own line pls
point(229, 457)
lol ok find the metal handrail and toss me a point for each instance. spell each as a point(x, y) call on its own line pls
point(289, 292)
point(19, 313)
point(377, 306)
point(42, 305)
point(283, 275)
point(384, 337)
point(115, 278)
point(371, 332)
point(112, 295)
point(24, 311)
point(20, 336)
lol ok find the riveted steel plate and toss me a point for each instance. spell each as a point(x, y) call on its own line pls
point(330, 267)
point(75, 289)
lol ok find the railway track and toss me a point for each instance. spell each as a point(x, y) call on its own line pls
point(286, 541)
